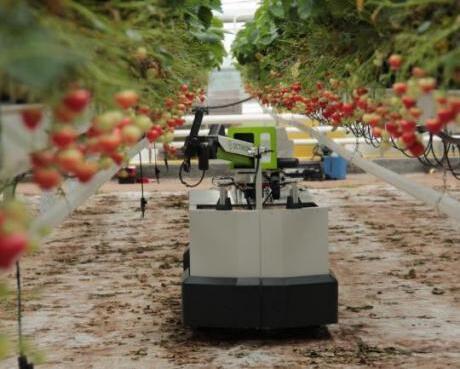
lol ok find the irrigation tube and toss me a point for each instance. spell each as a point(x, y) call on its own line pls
point(439, 200)
point(64, 205)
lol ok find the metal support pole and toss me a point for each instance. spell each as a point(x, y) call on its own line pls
point(259, 181)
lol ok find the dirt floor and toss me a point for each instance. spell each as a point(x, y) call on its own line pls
point(104, 290)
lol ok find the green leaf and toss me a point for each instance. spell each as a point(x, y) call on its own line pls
point(424, 27)
point(134, 35)
point(215, 5)
point(210, 37)
point(165, 58)
point(305, 8)
point(205, 16)
point(35, 58)
point(277, 9)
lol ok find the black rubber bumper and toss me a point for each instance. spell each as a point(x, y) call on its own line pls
point(259, 303)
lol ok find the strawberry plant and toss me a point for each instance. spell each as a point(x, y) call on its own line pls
point(106, 73)
point(336, 60)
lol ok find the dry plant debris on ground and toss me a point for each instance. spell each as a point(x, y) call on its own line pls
point(104, 291)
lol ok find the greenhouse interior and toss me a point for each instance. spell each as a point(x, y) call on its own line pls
point(225, 184)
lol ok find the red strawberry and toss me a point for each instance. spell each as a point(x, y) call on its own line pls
point(63, 137)
point(77, 100)
point(360, 91)
point(69, 159)
point(362, 103)
point(171, 123)
point(418, 72)
point(11, 248)
point(31, 118)
point(445, 115)
point(124, 122)
point(296, 87)
point(143, 110)
point(433, 125)
point(180, 122)
point(131, 134)
point(415, 112)
point(109, 142)
point(395, 61)
point(336, 118)
point(407, 125)
point(427, 84)
point(169, 103)
point(409, 102)
point(454, 104)
point(47, 178)
point(347, 109)
point(417, 149)
point(42, 158)
point(63, 114)
point(400, 88)
point(85, 171)
point(376, 132)
point(392, 127)
point(441, 100)
point(153, 135)
point(117, 157)
point(126, 99)
point(409, 138)
point(375, 120)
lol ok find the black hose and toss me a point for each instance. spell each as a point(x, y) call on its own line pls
point(186, 184)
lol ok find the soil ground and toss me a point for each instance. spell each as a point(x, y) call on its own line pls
point(104, 289)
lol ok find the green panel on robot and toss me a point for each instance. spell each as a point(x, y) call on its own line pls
point(264, 136)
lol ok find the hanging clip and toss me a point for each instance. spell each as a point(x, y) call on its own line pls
point(143, 206)
point(23, 363)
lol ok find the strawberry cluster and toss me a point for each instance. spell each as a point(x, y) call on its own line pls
point(110, 134)
point(392, 116)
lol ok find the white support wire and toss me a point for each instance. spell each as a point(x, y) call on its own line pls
point(441, 201)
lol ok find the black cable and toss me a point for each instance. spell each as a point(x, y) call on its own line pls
point(143, 200)
point(268, 196)
point(181, 179)
point(157, 170)
point(257, 159)
point(22, 359)
point(246, 197)
point(19, 306)
point(429, 157)
point(229, 105)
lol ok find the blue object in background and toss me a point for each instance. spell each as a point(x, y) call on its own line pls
point(334, 167)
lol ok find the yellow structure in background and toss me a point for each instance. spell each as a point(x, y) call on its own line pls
point(305, 151)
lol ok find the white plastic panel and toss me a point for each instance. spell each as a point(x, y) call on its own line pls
point(294, 242)
point(266, 243)
point(224, 243)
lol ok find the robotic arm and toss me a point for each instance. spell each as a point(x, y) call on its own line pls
point(205, 147)
point(194, 146)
